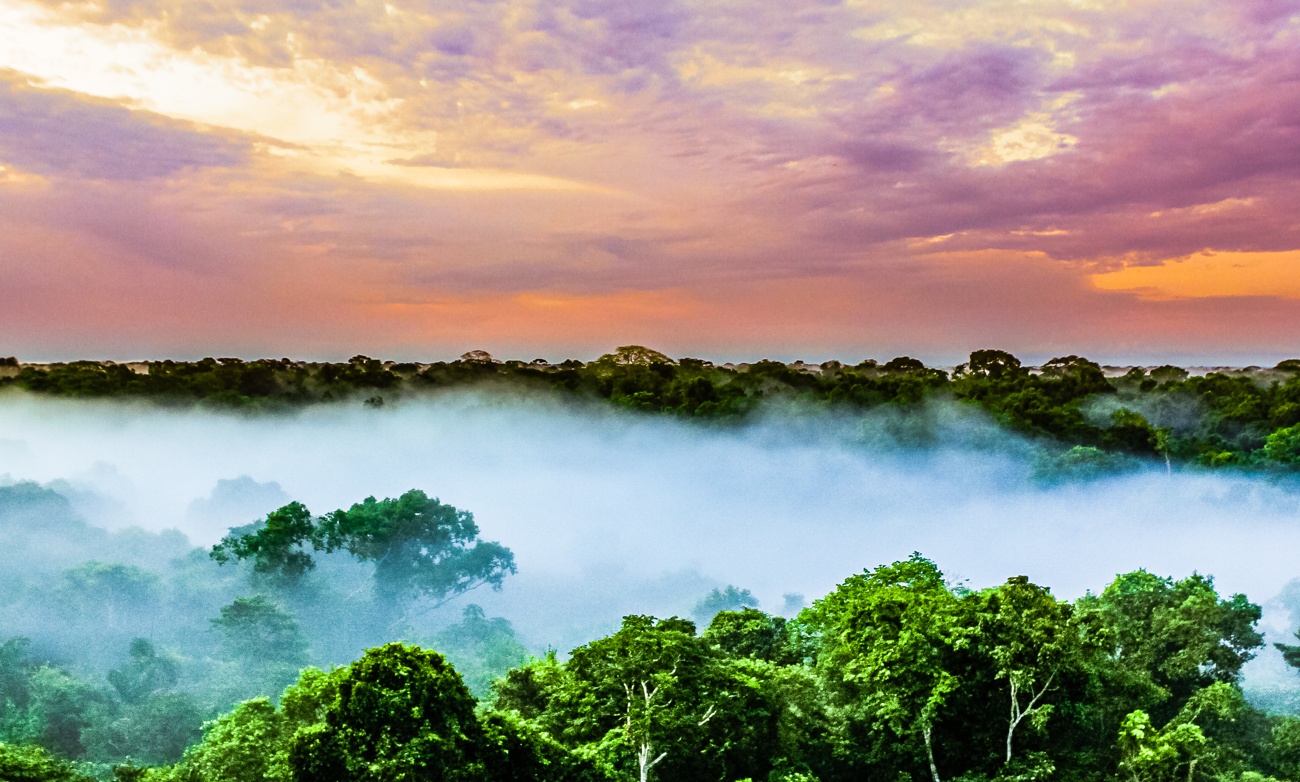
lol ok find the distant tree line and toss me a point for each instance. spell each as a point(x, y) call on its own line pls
point(1247, 419)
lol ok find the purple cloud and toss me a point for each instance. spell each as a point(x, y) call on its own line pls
point(61, 133)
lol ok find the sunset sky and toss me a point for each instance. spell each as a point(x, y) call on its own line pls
point(733, 180)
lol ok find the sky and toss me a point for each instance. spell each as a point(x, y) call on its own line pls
point(551, 178)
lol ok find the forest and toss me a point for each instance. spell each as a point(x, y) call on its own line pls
point(1102, 418)
point(206, 673)
point(364, 640)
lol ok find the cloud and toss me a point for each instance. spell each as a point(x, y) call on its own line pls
point(60, 133)
point(707, 151)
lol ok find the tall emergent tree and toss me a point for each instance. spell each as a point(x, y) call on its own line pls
point(1032, 639)
point(888, 638)
point(421, 548)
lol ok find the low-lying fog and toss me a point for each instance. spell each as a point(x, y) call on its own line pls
point(611, 513)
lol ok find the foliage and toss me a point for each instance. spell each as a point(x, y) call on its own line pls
point(1241, 419)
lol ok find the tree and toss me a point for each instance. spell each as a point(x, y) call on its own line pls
point(33, 764)
point(254, 630)
point(263, 642)
point(1177, 636)
point(1291, 654)
point(1283, 445)
point(107, 593)
point(751, 633)
point(401, 713)
point(277, 545)
point(729, 599)
point(652, 699)
point(887, 642)
point(1031, 639)
point(145, 674)
point(482, 649)
point(421, 548)
point(630, 355)
point(1151, 755)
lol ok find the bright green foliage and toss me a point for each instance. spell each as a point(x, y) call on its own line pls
point(1032, 640)
point(518, 752)
point(751, 633)
point(1283, 446)
point(401, 713)
point(245, 745)
point(651, 700)
point(276, 548)
point(32, 764)
point(1284, 747)
point(888, 643)
point(419, 546)
point(1174, 637)
point(1177, 749)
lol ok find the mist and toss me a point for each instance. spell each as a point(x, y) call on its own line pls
point(610, 512)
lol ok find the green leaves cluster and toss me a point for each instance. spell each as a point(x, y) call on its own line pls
point(419, 546)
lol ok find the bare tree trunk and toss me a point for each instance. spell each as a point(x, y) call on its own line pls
point(1015, 717)
point(929, 751)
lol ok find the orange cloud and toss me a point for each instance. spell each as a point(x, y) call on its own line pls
point(1210, 274)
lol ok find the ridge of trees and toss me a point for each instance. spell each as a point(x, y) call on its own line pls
point(1248, 418)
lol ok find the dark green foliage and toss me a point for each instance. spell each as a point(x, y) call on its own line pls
point(1216, 420)
point(420, 547)
point(276, 546)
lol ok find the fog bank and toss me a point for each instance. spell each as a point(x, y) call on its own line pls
point(610, 512)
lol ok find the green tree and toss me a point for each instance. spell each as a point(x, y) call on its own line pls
point(1032, 639)
point(401, 713)
point(1290, 653)
point(482, 649)
point(421, 548)
point(33, 764)
point(887, 641)
point(1283, 446)
point(255, 631)
point(277, 545)
point(145, 674)
point(651, 699)
point(1172, 638)
point(107, 593)
point(1151, 755)
point(730, 598)
point(263, 642)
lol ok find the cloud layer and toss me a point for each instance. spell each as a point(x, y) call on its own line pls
point(409, 169)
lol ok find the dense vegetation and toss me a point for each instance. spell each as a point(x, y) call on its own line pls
point(1247, 418)
point(896, 675)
